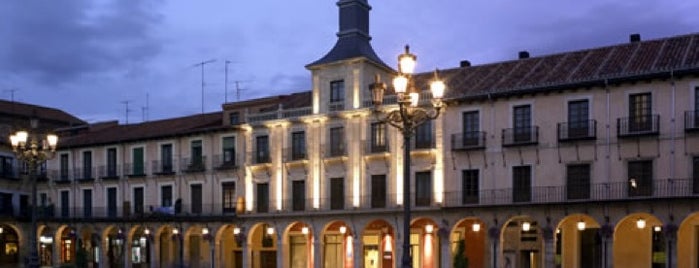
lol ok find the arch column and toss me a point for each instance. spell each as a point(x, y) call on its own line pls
point(547, 233)
point(671, 245)
point(280, 251)
point(357, 245)
point(246, 254)
point(607, 234)
point(151, 252)
point(398, 250)
point(444, 249)
point(316, 251)
point(494, 237)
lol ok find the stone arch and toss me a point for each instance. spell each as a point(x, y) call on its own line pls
point(298, 238)
point(337, 239)
point(66, 236)
point(378, 240)
point(474, 232)
point(11, 243)
point(636, 238)
point(227, 242)
point(687, 241)
point(263, 244)
point(521, 241)
point(578, 242)
point(425, 233)
point(197, 246)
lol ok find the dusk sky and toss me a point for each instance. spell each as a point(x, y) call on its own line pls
point(89, 57)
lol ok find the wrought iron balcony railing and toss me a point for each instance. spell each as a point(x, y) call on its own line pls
point(225, 163)
point(574, 131)
point(374, 147)
point(135, 170)
point(520, 136)
point(474, 140)
point(163, 168)
point(691, 121)
point(634, 126)
point(109, 172)
point(195, 164)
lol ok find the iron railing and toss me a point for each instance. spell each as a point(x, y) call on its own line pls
point(642, 125)
point(520, 136)
point(134, 170)
point(222, 163)
point(373, 147)
point(195, 164)
point(581, 130)
point(473, 140)
point(691, 121)
point(163, 168)
point(109, 172)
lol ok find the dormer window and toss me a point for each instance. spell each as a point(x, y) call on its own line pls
point(337, 91)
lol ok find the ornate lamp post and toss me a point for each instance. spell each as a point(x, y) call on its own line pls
point(407, 118)
point(33, 149)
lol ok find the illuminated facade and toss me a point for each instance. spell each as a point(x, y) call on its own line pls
point(581, 159)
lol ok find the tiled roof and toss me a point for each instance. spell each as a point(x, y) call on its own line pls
point(146, 130)
point(45, 114)
point(636, 60)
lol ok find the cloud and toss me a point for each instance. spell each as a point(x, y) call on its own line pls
point(58, 43)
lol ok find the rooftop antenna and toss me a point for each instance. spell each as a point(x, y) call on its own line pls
point(12, 93)
point(225, 83)
point(202, 79)
point(126, 104)
point(238, 89)
point(144, 110)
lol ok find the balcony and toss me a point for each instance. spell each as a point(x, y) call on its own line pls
point(224, 163)
point(423, 144)
point(109, 172)
point(691, 121)
point(84, 174)
point(635, 126)
point(468, 141)
point(163, 168)
point(373, 148)
point(618, 191)
point(577, 131)
point(135, 170)
point(130, 213)
point(295, 155)
point(278, 114)
point(196, 164)
point(520, 136)
point(335, 150)
point(336, 106)
point(261, 157)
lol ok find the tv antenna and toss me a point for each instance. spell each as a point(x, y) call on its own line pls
point(12, 93)
point(126, 105)
point(202, 79)
point(238, 89)
point(145, 109)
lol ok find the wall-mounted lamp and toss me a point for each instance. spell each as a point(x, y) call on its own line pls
point(270, 230)
point(657, 228)
point(343, 229)
point(429, 228)
point(304, 230)
point(526, 226)
point(236, 231)
point(640, 223)
point(581, 225)
point(175, 231)
point(476, 227)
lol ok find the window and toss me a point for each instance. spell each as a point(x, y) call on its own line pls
point(471, 128)
point(378, 191)
point(7, 167)
point(423, 188)
point(578, 181)
point(262, 145)
point(423, 135)
point(262, 197)
point(138, 203)
point(298, 145)
point(112, 202)
point(522, 123)
point(64, 167)
point(65, 204)
point(695, 174)
point(195, 198)
point(87, 203)
point(166, 196)
point(299, 195)
point(87, 165)
point(640, 117)
point(228, 194)
point(337, 193)
point(578, 118)
point(640, 178)
point(469, 186)
point(521, 184)
point(197, 158)
point(378, 137)
point(138, 162)
point(166, 158)
point(111, 162)
point(337, 91)
point(234, 118)
point(228, 151)
point(337, 141)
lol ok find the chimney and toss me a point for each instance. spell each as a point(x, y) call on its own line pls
point(634, 38)
point(523, 54)
point(464, 63)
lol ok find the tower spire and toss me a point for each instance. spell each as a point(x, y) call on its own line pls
point(353, 39)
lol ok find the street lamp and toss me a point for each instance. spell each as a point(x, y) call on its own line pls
point(33, 149)
point(407, 118)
